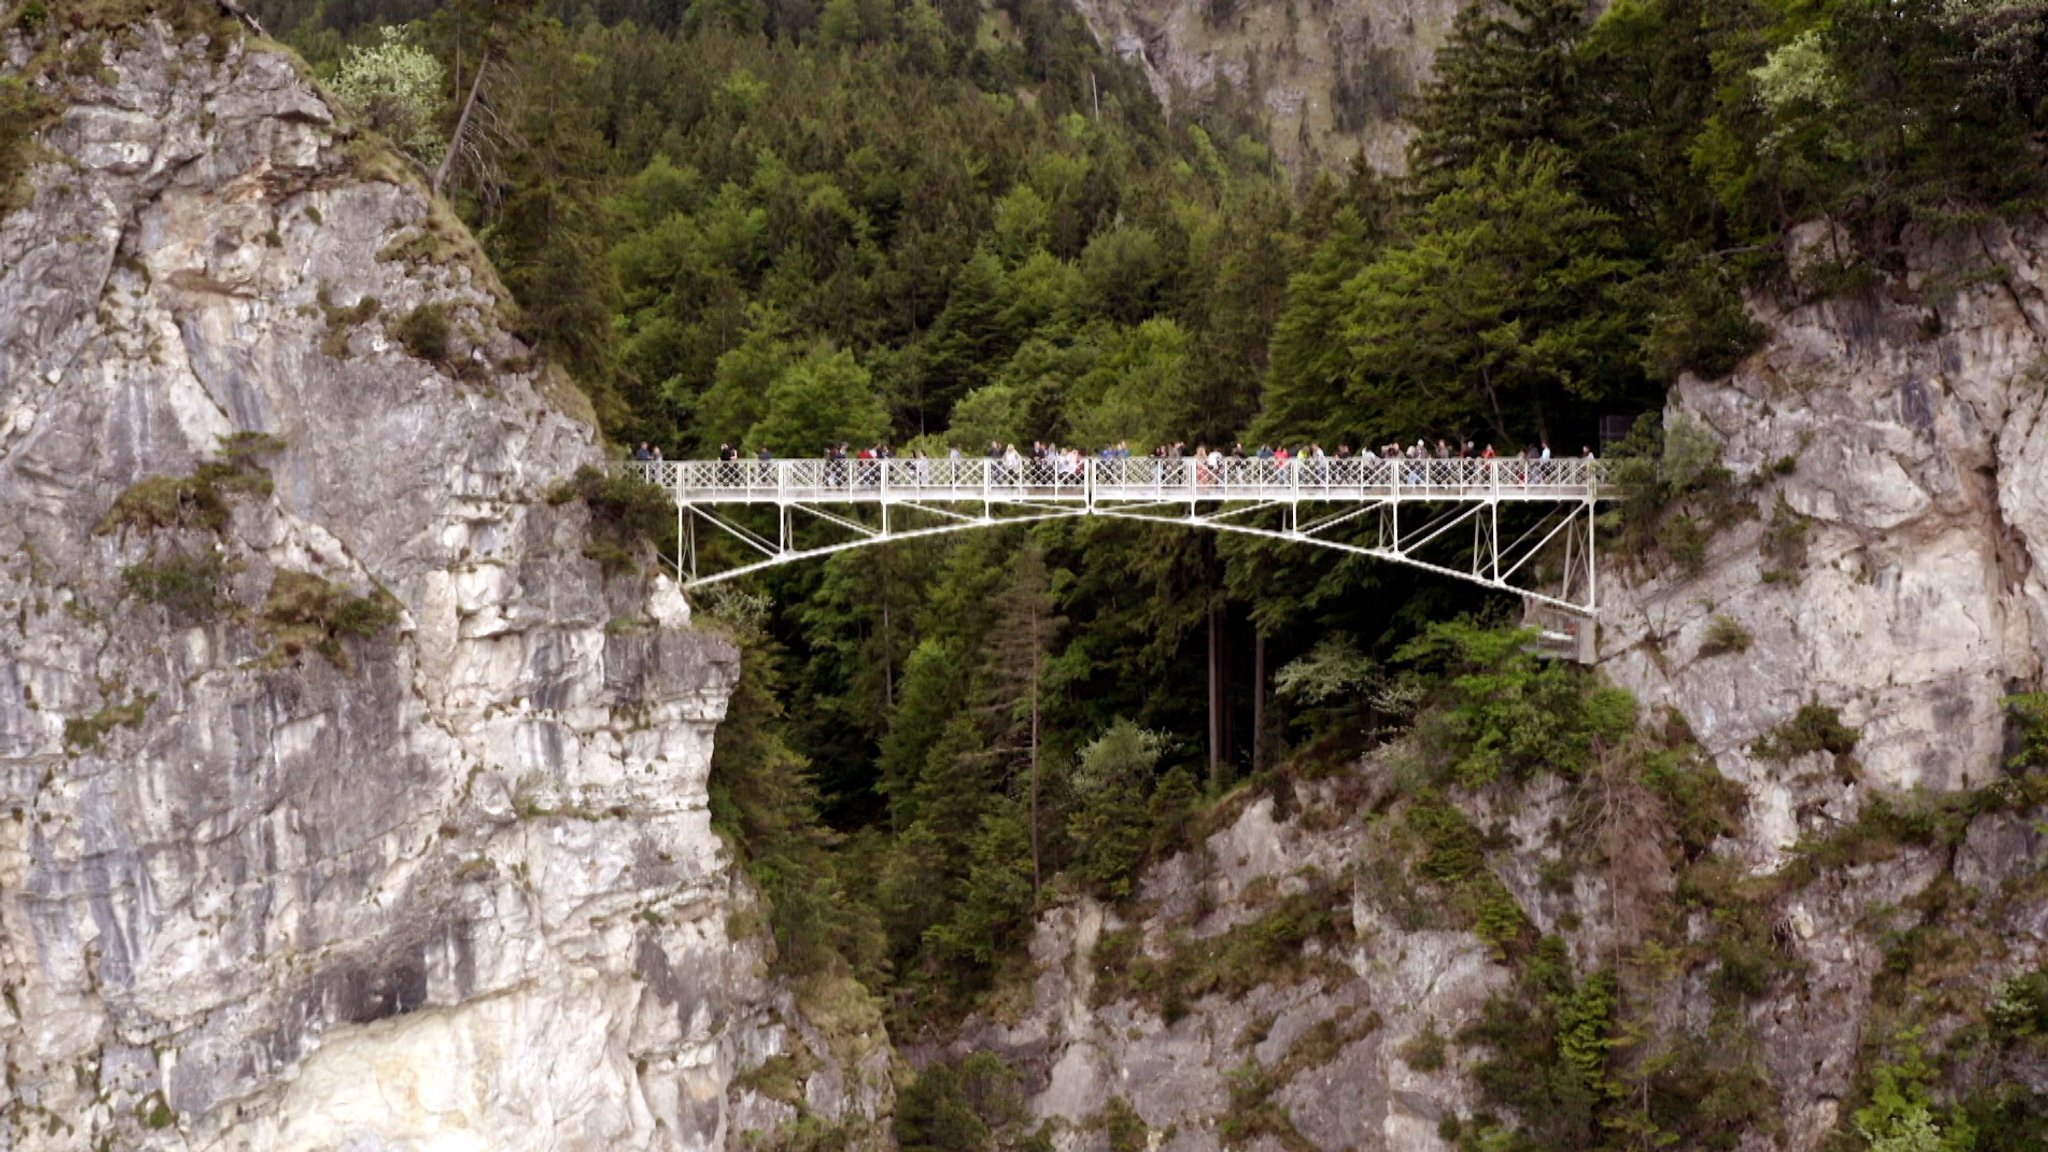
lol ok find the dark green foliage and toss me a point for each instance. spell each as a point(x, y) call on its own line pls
point(1814, 728)
point(626, 515)
point(305, 612)
point(424, 331)
point(1505, 79)
point(1125, 1129)
point(1269, 949)
point(187, 586)
point(972, 1106)
point(763, 800)
point(1112, 824)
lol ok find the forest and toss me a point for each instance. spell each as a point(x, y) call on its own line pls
point(779, 224)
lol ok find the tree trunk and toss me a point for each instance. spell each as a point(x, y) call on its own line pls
point(1216, 693)
point(1036, 668)
point(1258, 699)
point(476, 86)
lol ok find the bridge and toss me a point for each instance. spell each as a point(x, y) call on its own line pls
point(1522, 526)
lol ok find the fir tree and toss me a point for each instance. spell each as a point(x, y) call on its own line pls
point(1506, 77)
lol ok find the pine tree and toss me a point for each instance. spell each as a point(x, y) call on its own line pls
point(1506, 77)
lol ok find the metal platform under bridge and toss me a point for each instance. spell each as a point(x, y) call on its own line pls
point(1523, 526)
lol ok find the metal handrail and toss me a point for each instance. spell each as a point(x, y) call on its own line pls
point(1090, 480)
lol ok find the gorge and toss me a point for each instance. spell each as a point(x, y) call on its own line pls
point(369, 783)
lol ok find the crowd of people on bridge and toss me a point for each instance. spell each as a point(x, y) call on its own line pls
point(1054, 464)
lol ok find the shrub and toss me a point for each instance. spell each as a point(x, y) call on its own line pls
point(424, 331)
point(625, 512)
point(1426, 1051)
point(1784, 543)
point(1505, 713)
point(1724, 635)
point(1815, 728)
point(2027, 729)
point(83, 734)
point(342, 321)
point(1126, 1129)
point(201, 499)
point(187, 586)
point(305, 612)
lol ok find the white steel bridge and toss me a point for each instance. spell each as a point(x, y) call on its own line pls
point(1523, 526)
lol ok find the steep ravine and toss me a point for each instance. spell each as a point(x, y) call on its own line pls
point(347, 802)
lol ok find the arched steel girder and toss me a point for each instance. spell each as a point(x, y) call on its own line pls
point(1459, 539)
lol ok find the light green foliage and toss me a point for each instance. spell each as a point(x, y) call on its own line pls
point(84, 734)
point(397, 87)
point(1901, 1115)
point(1506, 713)
point(1724, 636)
point(1798, 74)
point(1135, 391)
point(2027, 715)
point(823, 398)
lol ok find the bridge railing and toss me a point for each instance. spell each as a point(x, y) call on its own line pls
point(1141, 478)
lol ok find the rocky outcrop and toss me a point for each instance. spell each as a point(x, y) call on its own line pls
point(348, 803)
point(1892, 450)
point(1279, 982)
point(1329, 81)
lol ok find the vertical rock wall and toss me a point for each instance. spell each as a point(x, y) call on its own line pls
point(266, 883)
point(1888, 454)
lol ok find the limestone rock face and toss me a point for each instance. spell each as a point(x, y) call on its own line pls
point(1330, 80)
point(1342, 1047)
point(275, 873)
point(1893, 449)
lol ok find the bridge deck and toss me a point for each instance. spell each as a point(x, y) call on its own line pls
point(1133, 481)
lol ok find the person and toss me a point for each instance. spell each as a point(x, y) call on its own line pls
point(1013, 464)
point(657, 454)
point(921, 467)
point(764, 455)
point(726, 454)
point(643, 452)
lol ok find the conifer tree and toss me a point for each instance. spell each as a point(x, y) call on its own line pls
point(1506, 77)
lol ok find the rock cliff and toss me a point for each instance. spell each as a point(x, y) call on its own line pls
point(1874, 883)
point(1329, 80)
point(348, 802)
point(1892, 517)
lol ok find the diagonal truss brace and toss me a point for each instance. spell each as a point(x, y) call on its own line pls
point(1462, 541)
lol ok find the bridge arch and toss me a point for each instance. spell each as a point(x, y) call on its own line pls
point(1441, 516)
